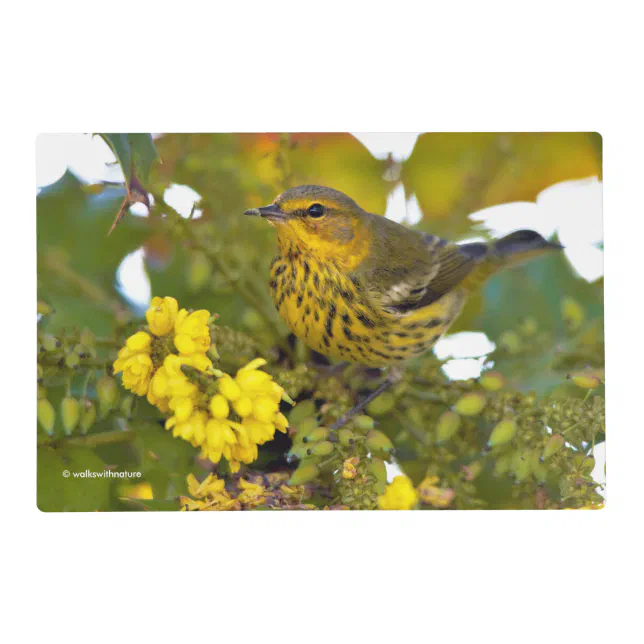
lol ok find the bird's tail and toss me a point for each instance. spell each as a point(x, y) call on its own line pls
point(513, 249)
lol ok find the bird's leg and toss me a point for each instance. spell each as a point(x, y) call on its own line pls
point(392, 377)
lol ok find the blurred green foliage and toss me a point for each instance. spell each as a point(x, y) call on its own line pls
point(218, 260)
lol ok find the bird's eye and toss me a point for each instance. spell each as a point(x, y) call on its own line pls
point(316, 210)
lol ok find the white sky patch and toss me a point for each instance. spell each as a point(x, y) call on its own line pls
point(414, 213)
point(87, 156)
point(381, 144)
point(469, 350)
point(467, 344)
point(140, 209)
point(182, 199)
point(401, 211)
point(573, 209)
point(599, 473)
point(396, 207)
point(464, 369)
point(393, 470)
point(132, 280)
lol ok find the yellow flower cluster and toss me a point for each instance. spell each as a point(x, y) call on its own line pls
point(140, 357)
point(135, 362)
point(434, 495)
point(253, 397)
point(230, 419)
point(399, 495)
point(243, 494)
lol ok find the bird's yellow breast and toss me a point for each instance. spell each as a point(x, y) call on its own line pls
point(334, 314)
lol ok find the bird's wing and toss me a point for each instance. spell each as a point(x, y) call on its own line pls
point(417, 281)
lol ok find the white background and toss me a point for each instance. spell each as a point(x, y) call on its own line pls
point(392, 577)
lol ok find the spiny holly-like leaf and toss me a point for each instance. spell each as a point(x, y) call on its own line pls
point(135, 153)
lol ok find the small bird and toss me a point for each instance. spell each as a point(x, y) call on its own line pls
point(359, 287)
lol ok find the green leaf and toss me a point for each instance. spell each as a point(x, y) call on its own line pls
point(165, 460)
point(50, 481)
point(120, 146)
point(133, 152)
point(144, 154)
point(60, 491)
point(77, 263)
point(164, 505)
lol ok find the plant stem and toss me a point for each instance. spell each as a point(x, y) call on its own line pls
point(105, 438)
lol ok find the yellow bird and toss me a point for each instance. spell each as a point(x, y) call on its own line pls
point(362, 288)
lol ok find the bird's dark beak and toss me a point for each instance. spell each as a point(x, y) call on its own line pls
point(272, 213)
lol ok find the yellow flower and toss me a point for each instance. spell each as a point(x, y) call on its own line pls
point(192, 429)
point(161, 315)
point(349, 470)
point(191, 332)
point(136, 364)
point(209, 486)
point(399, 495)
point(254, 397)
point(210, 495)
point(170, 387)
point(433, 495)
point(252, 494)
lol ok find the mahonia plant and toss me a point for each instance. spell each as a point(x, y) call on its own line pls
point(468, 436)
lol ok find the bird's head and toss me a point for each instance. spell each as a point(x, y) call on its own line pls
point(320, 220)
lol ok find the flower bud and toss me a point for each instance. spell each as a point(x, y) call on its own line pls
point(379, 442)
point(503, 433)
point(521, 466)
point(126, 406)
point(87, 338)
point(70, 414)
point(377, 468)
point(554, 444)
point(50, 342)
point(88, 415)
point(46, 416)
point(381, 405)
point(107, 391)
point(587, 464)
point(229, 388)
point(44, 308)
point(41, 373)
point(297, 453)
point(447, 426)
point(72, 359)
point(346, 437)
point(304, 410)
point(470, 404)
point(304, 473)
point(305, 427)
point(585, 380)
point(243, 406)
point(318, 434)
point(323, 448)
point(363, 422)
point(219, 407)
point(492, 381)
point(572, 313)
